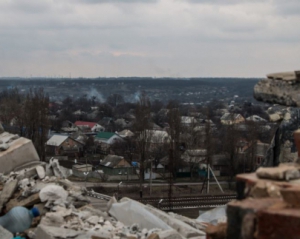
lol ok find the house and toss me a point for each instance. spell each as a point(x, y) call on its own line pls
point(154, 138)
point(256, 153)
point(231, 118)
point(187, 120)
point(117, 168)
point(126, 133)
point(108, 138)
point(89, 126)
point(194, 156)
point(63, 145)
point(220, 164)
point(68, 126)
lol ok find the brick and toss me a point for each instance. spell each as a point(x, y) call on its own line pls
point(278, 224)
point(237, 210)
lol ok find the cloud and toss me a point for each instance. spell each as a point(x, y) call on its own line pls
point(116, 1)
point(167, 38)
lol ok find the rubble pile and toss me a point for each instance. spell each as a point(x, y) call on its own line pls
point(268, 205)
point(66, 212)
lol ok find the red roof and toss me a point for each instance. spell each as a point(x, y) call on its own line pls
point(85, 123)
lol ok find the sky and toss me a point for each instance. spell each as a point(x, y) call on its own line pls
point(156, 38)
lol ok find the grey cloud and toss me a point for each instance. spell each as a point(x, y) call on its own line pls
point(221, 2)
point(116, 1)
point(287, 8)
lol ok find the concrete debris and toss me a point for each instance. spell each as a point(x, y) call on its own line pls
point(53, 193)
point(4, 234)
point(8, 191)
point(41, 172)
point(65, 211)
point(15, 152)
point(265, 189)
point(283, 172)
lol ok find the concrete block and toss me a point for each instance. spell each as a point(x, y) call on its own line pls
point(46, 232)
point(20, 151)
point(4, 234)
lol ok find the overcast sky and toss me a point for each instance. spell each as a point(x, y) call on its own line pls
point(173, 38)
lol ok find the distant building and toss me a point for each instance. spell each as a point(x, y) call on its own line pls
point(108, 138)
point(63, 145)
point(231, 118)
point(90, 126)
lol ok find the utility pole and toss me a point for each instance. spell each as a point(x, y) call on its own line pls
point(170, 178)
point(151, 178)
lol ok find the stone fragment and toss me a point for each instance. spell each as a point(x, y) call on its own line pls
point(53, 193)
point(7, 192)
point(4, 147)
point(40, 171)
point(93, 220)
point(4, 234)
point(46, 232)
point(57, 170)
point(26, 202)
point(52, 219)
point(27, 173)
point(283, 172)
point(291, 196)
point(265, 189)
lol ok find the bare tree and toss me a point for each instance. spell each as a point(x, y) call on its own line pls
point(35, 119)
point(230, 140)
point(174, 121)
point(142, 127)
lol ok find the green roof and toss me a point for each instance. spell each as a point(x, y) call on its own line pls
point(104, 135)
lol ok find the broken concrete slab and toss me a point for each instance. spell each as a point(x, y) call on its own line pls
point(26, 202)
point(8, 191)
point(285, 76)
point(47, 232)
point(5, 234)
point(20, 151)
point(182, 228)
point(283, 172)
